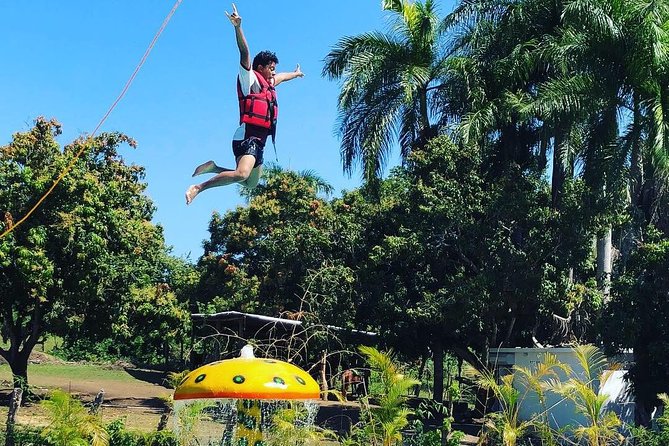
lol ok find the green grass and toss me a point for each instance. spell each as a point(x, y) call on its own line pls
point(80, 372)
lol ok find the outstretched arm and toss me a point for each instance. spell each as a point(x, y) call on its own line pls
point(282, 77)
point(244, 55)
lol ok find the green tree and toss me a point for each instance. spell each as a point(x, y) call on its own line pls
point(389, 86)
point(65, 269)
point(637, 318)
point(150, 321)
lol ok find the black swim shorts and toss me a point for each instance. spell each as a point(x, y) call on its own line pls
point(250, 146)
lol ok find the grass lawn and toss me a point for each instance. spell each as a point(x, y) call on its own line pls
point(74, 372)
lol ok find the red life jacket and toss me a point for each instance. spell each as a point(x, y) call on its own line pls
point(259, 109)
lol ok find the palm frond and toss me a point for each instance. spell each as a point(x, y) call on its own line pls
point(590, 15)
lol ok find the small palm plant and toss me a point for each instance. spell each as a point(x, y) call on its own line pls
point(511, 390)
point(581, 388)
point(382, 424)
point(70, 424)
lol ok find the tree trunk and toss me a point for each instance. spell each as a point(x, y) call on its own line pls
point(509, 330)
point(421, 370)
point(636, 168)
point(18, 363)
point(14, 404)
point(438, 395)
point(324, 379)
point(438, 358)
point(604, 261)
point(559, 173)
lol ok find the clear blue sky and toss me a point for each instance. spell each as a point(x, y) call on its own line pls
point(70, 59)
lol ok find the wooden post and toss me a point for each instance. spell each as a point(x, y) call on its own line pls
point(14, 404)
point(324, 378)
point(97, 402)
point(164, 417)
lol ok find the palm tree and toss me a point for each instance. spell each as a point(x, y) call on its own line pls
point(648, 139)
point(389, 87)
point(582, 388)
point(390, 416)
point(569, 74)
point(512, 390)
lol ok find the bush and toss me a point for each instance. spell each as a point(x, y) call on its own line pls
point(26, 436)
point(120, 436)
point(658, 437)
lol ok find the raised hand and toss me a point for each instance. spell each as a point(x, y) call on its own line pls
point(235, 18)
point(298, 71)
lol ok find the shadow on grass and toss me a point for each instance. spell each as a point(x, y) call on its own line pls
point(150, 376)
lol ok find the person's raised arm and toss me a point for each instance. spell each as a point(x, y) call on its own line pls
point(282, 77)
point(244, 54)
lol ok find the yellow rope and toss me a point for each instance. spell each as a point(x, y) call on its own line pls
point(104, 118)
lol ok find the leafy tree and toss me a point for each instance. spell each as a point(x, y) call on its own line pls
point(450, 270)
point(268, 255)
point(637, 318)
point(67, 267)
point(150, 320)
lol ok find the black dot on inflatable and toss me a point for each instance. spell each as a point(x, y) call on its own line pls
point(300, 380)
point(269, 361)
point(279, 380)
point(238, 379)
point(200, 378)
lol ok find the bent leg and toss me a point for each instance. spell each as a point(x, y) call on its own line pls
point(240, 174)
point(209, 167)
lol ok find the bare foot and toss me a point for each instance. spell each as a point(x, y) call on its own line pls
point(191, 193)
point(208, 167)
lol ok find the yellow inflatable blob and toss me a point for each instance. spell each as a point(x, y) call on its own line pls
point(248, 378)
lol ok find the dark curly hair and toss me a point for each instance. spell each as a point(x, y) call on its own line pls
point(264, 58)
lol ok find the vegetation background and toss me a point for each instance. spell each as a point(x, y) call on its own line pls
point(530, 206)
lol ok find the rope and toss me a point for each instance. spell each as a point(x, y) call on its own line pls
point(102, 121)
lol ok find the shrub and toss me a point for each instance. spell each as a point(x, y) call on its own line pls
point(120, 436)
point(27, 436)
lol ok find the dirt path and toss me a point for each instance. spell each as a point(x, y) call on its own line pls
point(87, 389)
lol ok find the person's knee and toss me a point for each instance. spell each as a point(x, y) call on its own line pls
point(242, 174)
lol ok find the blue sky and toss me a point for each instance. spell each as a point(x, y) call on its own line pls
point(70, 59)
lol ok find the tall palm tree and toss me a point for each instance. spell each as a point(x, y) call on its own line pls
point(648, 135)
point(389, 86)
point(569, 74)
point(502, 62)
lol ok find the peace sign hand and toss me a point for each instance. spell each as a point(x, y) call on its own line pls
point(235, 18)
